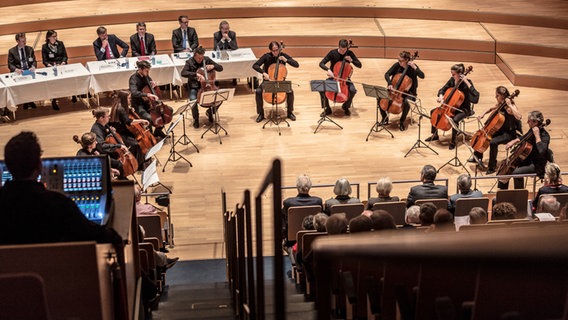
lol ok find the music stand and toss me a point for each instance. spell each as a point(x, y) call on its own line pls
point(377, 93)
point(274, 87)
point(325, 86)
point(213, 100)
point(182, 110)
point(153, 150)
point(419, 143)
point(455, 161)
point(150, 177)
point(173, 152)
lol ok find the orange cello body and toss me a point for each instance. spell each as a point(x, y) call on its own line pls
point(453, 98)
point(207, 85)
point(481, 139)
point(277, 72)
point(341, 71)
point(518, 155)
point(128, 160)
point(144, 137)
point(161, 113)
point(403, 83)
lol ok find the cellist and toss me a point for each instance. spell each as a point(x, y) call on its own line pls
point(337, 56)
point(471, 95)
point(194, 79)
point(508, 131)
point(536, 161)
point(414, 72)
point(262, 66)
point(139, 99)
point(101, 129)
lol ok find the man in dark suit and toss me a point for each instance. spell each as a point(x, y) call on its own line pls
point(142, 43)
point(427, 190)
point(225, 39)
point(22, 58)
point(184, 38)
point(303, 184)
point(106, 45)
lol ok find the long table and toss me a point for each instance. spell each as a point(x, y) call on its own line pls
point(238, 63)
point(3, 96)
point(72, 79)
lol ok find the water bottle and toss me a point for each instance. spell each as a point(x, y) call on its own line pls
point(55, 71)
point(218, 53)
point(127, 63)
point(153, 60)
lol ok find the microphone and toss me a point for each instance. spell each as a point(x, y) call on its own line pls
point(43, 73)
point(354, 47)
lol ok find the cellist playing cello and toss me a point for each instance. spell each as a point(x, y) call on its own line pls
point(262, 65)
point(139, 99)
point(508, 130)
point(461, 111)
point(413, 72)
point(343, 56)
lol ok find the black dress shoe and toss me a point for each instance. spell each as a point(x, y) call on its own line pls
point(196, 124)
point(490, 171)
point(259, 118)
point(291, 116)
point(401, 126)
point(327, 110)
point(472, 160)
point(33, 105)
point(26, 106)
point(433, 137)
point(74, 99)
point(54, 105)
point(171, 262)
point(452, 146)
point(347, 111)
point(385, 120)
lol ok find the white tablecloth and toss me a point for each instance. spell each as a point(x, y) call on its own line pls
point(239, 64)
point(109, 75)
point(2, 95)
point(72, 79)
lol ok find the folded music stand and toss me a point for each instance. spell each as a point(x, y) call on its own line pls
point(175, 155)
point(184, 139)
point(212, 100)
point(377, 93)
point(275, 87)
point(422, 113)
point(455, 161)
point(325, 86)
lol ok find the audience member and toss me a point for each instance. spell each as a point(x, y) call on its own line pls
point(382, 220)
point(142, 43)
point(303, 185)
point(360, 223)
point(53, 54)
point(443, 221)
point(549, 204)
point(427, 212)
point(384, 188)
point(184, 38)
point(412, 217)
point(477, 215)
point(105, 46)
point(162, 261)
point(319, 222)
point(552, 183)
point(464, 187)
point(342, 192)
point(31, 213)
point(308, 222)
point(225, 39)
point(427, 190)
point(147, 208)
point(563, 213)
point(336, 224)
point(22, 58)
point(503, 211)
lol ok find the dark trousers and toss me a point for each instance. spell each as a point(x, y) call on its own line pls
point(405, 110)
point(347, 103)
point(519, 182)
point(458, 116)
point(142, 111)
point(500, 138)
point(260, 101)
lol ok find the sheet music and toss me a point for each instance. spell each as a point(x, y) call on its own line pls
point(150, 176)
point(152, 151)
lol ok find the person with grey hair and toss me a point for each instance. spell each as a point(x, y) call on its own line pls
point(303, 185)
point(427, 190)
point(552, 183)
point(225, 39)
point(464, 187)
point(412, 217)
point(319, 221)
point(477, 215)
point(535, 162)
point(384, 188)
point(342, 192)
point(549, 204)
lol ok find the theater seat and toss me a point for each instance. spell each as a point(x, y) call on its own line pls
point(22, 296)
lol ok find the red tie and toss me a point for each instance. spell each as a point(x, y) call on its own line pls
point(142, 46)
point(107, 52)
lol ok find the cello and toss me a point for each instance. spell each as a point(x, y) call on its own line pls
point(161, 113)
point(453, 98)
point(519, 153)
point(128, 160)
point(276, 72)
point(341, 73)
point(144, 137)
point(403, 84)
point(208, 84)
point(481, 139)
